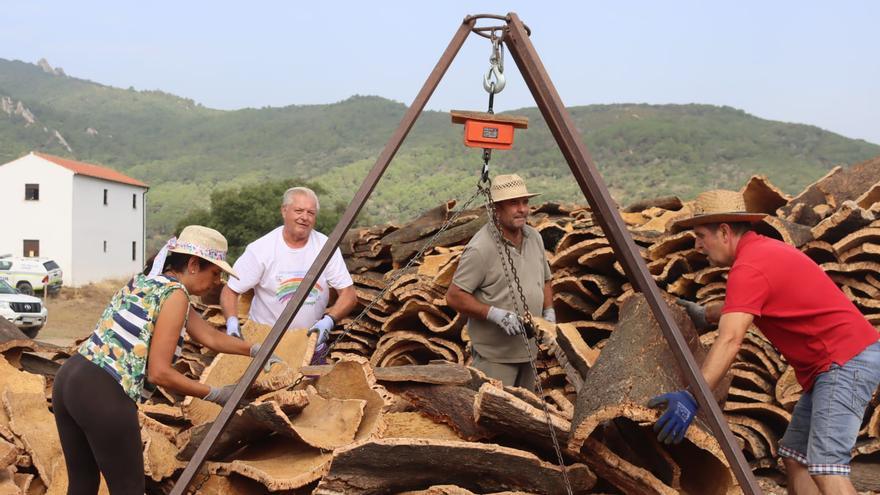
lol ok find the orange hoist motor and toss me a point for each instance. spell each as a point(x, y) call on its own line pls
point(488, 130)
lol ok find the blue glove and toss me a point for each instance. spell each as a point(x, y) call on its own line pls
point(681, 407)
point(232, 328)
point(323, 327)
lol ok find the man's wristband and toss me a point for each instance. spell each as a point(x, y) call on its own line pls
point(328, 315)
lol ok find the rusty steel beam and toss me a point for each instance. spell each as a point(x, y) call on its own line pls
point(590, 181)
point(321, 261)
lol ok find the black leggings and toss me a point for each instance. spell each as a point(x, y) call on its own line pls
point(99, 430)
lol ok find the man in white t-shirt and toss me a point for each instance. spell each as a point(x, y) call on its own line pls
point(275, 264)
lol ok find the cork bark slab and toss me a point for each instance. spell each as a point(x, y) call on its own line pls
point(415, 425)
point(354, 379)
point(295, 349)
point(848, 218)
point(160, 455)
point(16, 381)
point(447, 404)
point(422, 349)
point(32, 422)
point(277, 463)
point(324, 423)
point(395, 465)
point(215, 484)
point(760, 196)
point(636, 365)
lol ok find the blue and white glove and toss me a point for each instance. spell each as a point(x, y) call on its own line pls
point(232, 327)
point(272, 359)
point(323, 327)
point(681, 407)
point(507, 320)
point(550, 315)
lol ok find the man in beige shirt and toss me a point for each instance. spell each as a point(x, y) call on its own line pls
point(480, 290)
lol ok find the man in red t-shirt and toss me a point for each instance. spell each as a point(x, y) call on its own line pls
point(834, 351)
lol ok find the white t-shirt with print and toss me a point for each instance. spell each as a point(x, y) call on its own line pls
point(274, 270)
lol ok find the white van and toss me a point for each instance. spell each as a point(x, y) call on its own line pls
point(29, 275)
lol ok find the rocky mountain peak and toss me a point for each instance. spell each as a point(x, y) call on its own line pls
point(44, 64)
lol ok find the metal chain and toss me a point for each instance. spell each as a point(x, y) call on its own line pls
point(507, 263)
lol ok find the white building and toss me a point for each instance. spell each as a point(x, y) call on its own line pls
point(89, 219)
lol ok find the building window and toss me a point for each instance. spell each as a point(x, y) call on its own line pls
point(133, 250)
point(31, 192)
point(134, 201)
point(105, 196)
point(105, 246)
point(31, 247)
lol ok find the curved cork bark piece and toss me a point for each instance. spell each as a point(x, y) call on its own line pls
point(415, 425)
point(354, 379)
point(446, 404)
point(761, 196)
point(295, 349)
point(277, 463)
point(420, 348)
point(397, 465)
point(636, 365)
point(32, 422)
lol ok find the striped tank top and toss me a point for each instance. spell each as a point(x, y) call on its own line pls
point(120, 343)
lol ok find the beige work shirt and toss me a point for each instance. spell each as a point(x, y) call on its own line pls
point(481, 274)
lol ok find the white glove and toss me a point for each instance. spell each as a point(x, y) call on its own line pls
point(220, 395)
point(232, 328)
point(272, 359)
point(550, 315)
point(323, 327)
point(507, 320)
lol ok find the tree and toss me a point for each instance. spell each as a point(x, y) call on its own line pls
point(243, 215)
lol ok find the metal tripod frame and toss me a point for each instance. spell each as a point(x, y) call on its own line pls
point(516, 37)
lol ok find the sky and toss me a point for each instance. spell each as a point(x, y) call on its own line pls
point(811, 62)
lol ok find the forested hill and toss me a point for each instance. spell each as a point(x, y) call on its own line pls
point(185, 150)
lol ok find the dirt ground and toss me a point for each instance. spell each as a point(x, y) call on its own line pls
point(74, 311)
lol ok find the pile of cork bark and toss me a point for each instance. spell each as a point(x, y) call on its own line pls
point(397, 409)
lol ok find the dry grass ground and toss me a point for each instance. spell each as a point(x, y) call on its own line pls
point(74, 311)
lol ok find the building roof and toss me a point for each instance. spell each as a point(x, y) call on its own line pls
point(91, 170)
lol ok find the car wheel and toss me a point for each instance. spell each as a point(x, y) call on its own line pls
point(25, 288)
point(32, 332)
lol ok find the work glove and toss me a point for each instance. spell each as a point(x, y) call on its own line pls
point(320, 354)
point(507, 320)
point(549, 315)
point(323, 327)
point(221, 395)
point(696, 312)
point(681, 407)
point(272, 359)
point(232, 328)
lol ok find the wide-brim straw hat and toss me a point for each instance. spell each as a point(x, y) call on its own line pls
point(718, 206)
point(510, 186)
point(204, 242)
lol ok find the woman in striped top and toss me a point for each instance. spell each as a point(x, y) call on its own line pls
point(132, 351)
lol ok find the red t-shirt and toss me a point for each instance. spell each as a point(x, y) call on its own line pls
point(796, 305)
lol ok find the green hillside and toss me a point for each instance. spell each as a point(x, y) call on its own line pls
point(185, 151)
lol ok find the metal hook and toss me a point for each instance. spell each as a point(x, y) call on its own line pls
point(497, 85)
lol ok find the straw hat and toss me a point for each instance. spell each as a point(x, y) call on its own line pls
point(203, 242)
point(511, 186)
point(718, 206)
